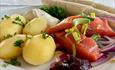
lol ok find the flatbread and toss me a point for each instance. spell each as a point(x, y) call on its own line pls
point(95, 5)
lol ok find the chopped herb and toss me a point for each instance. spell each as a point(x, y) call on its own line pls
point(14, 62)
point(96, 37)
point(5, 17)
point(18, 43)
point(55, 11)
point(7, 36)
point(18, 21)
point(18, 18)
point(45, 35)
point(4, 65)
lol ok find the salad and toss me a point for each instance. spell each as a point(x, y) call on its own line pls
point(75, 42)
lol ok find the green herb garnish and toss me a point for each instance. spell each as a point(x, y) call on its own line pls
point(18, 21)
point(7, 36)
point(96, 37)
point(18, 43)
point(5, 17)
point(13, 62)
point(45, 35)
point(55, 11)
point(18, 18)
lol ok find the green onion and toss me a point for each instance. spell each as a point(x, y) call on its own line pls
point(74, 50)
point(87, 16)
point(96, 37)
point(83, 21)
point(76, 36)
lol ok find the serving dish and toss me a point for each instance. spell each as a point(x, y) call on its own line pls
point(26, 66)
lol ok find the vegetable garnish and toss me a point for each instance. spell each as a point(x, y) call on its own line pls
point(18, 43)
point(83, 21)
point(93, 15)
point(88, 16)
point(74, 50)
point(18, 21)
point(13, 62)
point(55, 11)
point(45, 35)
point(5, 17)
point(76, 36)
point(74, 32)
point(96, 37)
point(8, 36)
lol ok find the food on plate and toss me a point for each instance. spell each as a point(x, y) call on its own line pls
point(35, 26)
point(77, 42)
point(78, 30)
point(39, 49)
point(12, 47)
point(19, 18)
point(40, 13)
point(11, 25)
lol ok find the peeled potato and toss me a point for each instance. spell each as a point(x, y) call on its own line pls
point(7, 27)
point(38, 50)
point(8, 49)
point(35, 26)
point(20, 17)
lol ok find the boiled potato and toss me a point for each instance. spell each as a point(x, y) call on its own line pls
point(38, 50)
point(20, 17)
point(7, 27)
point(35, 26)
point(11, 47)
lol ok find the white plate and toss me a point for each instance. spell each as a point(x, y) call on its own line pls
point(105, 66)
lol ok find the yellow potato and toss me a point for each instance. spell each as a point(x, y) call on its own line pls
point(7, 27)
point(20, 17)
point(9, 48)
point(38, 50)
point(35, 26)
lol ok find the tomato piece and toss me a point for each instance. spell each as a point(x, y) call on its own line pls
point(101, 27)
